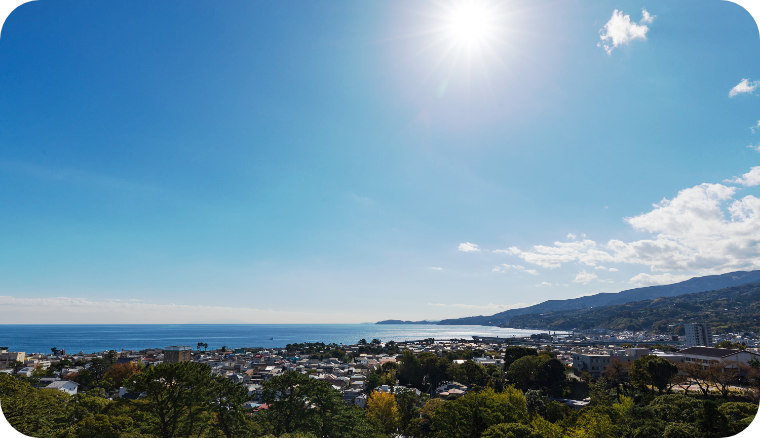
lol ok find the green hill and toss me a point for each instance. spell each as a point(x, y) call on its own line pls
point(733, 309)
point(693, 285)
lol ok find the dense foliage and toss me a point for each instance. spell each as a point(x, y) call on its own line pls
point(734, 309)
point(187, 400)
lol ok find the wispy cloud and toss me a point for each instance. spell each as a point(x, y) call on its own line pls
point(620, 30)
point(468, 247)
point(745, 86)
point(645, 279)
point(504, 268)
point(435, 268)
point(690, 232)
point(544, 283)
point(749, 179)
point(646, 17)
point(571, 236)
point(585, 277)
point(65, 310)
point(491, 306)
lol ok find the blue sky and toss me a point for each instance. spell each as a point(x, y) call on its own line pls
point(357, 161)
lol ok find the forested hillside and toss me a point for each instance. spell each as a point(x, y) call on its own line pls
point(693, 285)
point(733, 309)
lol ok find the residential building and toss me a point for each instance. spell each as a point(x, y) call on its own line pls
point(177, 353)
point(708, 355)
point(596, 363)
point(7, 358)
point(698, 335)
point(66, 386)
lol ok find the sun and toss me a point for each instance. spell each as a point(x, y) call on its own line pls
point(470, 22)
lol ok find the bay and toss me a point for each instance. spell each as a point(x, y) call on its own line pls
point(40, 338)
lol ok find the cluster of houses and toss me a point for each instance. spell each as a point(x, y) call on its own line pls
point(589, 352)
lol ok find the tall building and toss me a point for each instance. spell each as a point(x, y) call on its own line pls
point(699, 335)
point(177, 353)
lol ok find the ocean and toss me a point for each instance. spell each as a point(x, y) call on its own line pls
point(40, 338)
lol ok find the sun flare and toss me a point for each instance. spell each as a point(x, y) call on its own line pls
point(470, 22)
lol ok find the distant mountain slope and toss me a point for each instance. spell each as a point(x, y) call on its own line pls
point(734, 309)
point(693, 285)
point(399, 321)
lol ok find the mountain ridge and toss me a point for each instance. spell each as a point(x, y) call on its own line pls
point(692, 285)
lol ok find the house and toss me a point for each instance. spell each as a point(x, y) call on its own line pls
point(596, 363)
point(709, 355)
point(66, 386)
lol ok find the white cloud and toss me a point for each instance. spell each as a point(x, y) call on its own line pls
point(571, 236)
point(745, 86)
point(583, 235)
point(753, 128)
point(64, 310)
point(600, 267)
point(613, 269)
point(584, 277)
point(690, 232)
point(490, 306)
point(512, 250)
point(621, 30)
point(757, 148)
point(646, 18)
point(644, 279)
point(436, 268)
point(543, 283)
point(468, 247)
point(749, 179)
point(504, 267)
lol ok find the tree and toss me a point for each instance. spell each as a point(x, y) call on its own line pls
point(376, 342)
point(697, 374)
point(535, 403)
point(111, 356)
point(54, 351)
point(229, 396)
point(468, 373)
point(514, 352)
point(383, 411)
point(33, 412)
point(523, 372)
point(426, 415)
point(547, 429)
point(410, 370)
point(121, 373)
point(434, 369)
point(722, 376)
point(599, 393)
point(470, 415)
point(661, 372)
point(224, 348)
point(551, 377)
point(177, 395)
point(617, 372)
point(98, 367)
point(652, 370)
point(510, 430)
point(362, 341)
point(408, 403)
point(593, 424)
point(287, 396)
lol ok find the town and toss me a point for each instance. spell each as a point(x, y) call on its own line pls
point(577, 370)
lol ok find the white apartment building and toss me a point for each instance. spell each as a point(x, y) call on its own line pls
point(595, 364)
point(698, 335)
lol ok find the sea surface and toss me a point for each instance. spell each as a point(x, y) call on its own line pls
point(96, 338)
